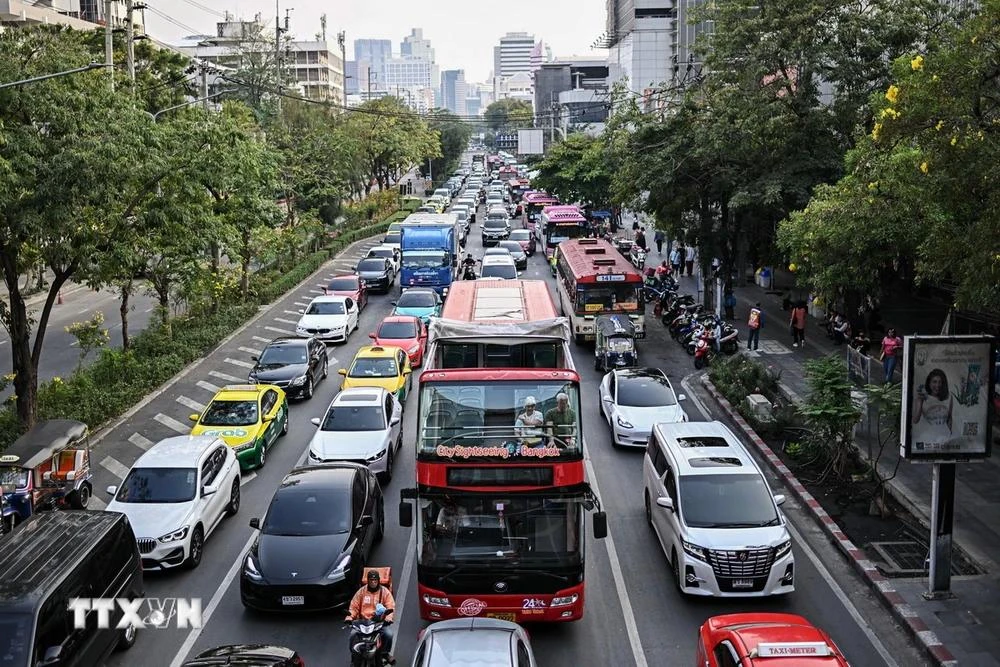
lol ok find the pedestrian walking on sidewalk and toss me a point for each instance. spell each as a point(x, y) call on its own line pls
point(675, 261)
point(690, 255)
point(658, 238)
point(754, 324)
point(798, 324)
point(730, 304)
point(892, 346)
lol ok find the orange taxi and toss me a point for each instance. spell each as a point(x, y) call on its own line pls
point(765, 640)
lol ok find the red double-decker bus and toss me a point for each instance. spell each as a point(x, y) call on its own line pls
point(501, 494)
point(594, 279)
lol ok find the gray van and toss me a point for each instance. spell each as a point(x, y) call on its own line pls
point(50, 559)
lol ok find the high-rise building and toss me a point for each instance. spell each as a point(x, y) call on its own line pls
point(351, 77)
point(513, 54)
point(408, 72)
point(454, 91)
point(416, 46)
point(372, 54)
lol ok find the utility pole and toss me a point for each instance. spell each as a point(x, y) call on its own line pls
point(277, 50)
point(204, 85)
point(369, 82)
point(342, 40)
point(109, 58)
point(552, 119)
point(130, 41)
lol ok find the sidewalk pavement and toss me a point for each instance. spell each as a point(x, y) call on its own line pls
point(967, 623)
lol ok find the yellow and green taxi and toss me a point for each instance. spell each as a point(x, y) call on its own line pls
point(383, 366)
point(248, 417)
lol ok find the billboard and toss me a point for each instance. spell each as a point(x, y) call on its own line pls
point(947, 397)
point(530, 142)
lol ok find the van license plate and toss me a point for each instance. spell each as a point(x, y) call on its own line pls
point(504, 617)
point(289, 600)
point(743, 583)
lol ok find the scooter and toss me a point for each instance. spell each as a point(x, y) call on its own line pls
point(469, 273)
point(730, 341)
point(702, 353)
point(637, 256)
point(366, 647)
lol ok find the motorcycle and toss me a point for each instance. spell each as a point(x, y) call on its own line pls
point(637, 256)
point(469, 273)
point(730, 341)
point(702, 353)
point(366, 640)
point(674, 306)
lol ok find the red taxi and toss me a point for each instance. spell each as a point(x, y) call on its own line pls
point(765, 640)
point(350, 285)
point(406, 332)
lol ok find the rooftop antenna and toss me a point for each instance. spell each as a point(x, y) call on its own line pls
point(322, 26)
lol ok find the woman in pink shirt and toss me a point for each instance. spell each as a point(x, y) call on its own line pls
point(892, 345)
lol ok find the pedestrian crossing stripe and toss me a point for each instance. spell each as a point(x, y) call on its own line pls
point(248, 350)
point(117, 469)
point(208, 386)
point(284, 321)
point(193, 405)
point(284, 332)
point(261, 340)
point(239, 362)
point(172, 424)
point(226, 377)
point(140, 441)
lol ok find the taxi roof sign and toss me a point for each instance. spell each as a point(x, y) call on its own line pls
point(793, 650)
point(241, 387)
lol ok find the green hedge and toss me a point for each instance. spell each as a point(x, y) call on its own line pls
point(105, 389)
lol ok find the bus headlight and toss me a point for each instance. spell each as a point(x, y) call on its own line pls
point(565, 600)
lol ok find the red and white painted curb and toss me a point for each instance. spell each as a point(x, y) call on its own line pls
point(903, 612)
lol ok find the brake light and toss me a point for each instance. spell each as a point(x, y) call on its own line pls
point(298, 661)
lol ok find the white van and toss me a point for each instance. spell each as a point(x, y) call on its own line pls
point(714, 514)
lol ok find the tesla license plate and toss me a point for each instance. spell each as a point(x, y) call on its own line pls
point(291, 600)
point(743, 583)
point(504, 617)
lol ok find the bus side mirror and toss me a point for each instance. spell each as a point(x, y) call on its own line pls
point(405, 514)
point(600, 525)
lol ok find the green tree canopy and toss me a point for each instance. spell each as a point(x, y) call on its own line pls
point(577, 170)
point(509, 114)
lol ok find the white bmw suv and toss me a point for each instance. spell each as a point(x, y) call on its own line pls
point(175, 495)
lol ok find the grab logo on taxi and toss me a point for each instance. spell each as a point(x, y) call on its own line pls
point(226, 432)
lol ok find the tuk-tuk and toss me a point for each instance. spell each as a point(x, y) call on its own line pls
point(614, 343)
point(624, 247)
point(46, 468)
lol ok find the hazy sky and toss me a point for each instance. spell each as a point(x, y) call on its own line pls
point(462, 33)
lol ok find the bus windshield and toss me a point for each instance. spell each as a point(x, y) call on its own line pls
point(556, 234)
point(500, 529)
point(426, 259)
point(607, 298)
point(490, 421)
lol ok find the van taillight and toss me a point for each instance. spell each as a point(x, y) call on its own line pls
point(298, 662)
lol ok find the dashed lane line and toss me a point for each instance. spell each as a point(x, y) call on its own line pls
point(188, 403)
point(246, 478)
point(238, 362)
point(140, 441)
point(283, 332)
point(172, 423)
point(114, 467)
point(227, 377)
point(208, 386)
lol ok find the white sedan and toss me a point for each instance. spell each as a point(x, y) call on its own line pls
point(329, 318)
point(633, 399)
point(362, 425)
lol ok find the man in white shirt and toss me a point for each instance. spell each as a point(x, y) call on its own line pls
point(528, 426)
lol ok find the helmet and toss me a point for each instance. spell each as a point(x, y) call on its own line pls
point(373, 575)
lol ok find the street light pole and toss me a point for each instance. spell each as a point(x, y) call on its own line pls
point(342, 40)
point(156, 115)
point(43, 77)
point(109, 58)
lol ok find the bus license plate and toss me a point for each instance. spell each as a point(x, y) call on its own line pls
point(743, 583)
point(290, 600)
point(504, 617)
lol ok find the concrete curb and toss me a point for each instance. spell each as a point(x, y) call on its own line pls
point(105, 430)
point(881, 584)
point(39, 297)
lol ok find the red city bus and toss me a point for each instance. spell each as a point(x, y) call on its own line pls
point(501, 493)
point(534, 201)
point(594, 279)
point(561, 223)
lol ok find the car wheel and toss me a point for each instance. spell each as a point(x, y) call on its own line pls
point(380, 524)
point(262, 457)
point(196, 548)
point(326, 369)
point(234, 499)
point(308, 392)
point(387, 475)
point(284, 427)
point(126, 638)
point(649, 509)
point(675, 567)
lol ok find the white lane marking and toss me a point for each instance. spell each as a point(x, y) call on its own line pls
point(248, 350)
point(299, 303)
point(801, 543)
point(616, 571)
point(148, 310)
point(261, 340)
point(227, 377)
point(283, 332)
point(208, 386)
point(117, 469)
point(96, 503)
point(694, 397)
point(140, 441)
point(213, 604)
point(75, 343)
point(411, 551)
point(172, 423)
point(238, 362)
point(246, 478)
point(322, 286)
point(316, 291)
point(188, 403)
point(292, 312)
point(284, 321)
point(84, 311)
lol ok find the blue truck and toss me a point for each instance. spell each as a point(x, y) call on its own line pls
point(430, 250)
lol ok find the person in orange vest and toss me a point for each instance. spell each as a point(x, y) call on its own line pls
point(754, 323)
point(363, 605)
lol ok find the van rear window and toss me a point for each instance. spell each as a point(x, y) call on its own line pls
point(702, 442)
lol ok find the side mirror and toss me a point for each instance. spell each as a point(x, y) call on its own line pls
point(394, 303)
point(366, 520)
point(665, 502)
point(600, 525)
point(779, 499)
point(342, 371)
point(255, 523)
point(111, 491)
point(372, 335)
point(407, 371)
point(254, 358)
point(53, 656)
point(267, 418)
point(194, 417)
point(315, 421)
point(302, 311)
point(208, 490)
point(681, 397)
point(395, 420)
point(405, 514)
point(354, 268)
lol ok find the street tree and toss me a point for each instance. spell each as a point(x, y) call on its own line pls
point(454, 134)
point(578, 169)
point(508, 114)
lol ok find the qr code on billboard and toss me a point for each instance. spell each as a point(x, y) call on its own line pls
point(970, 429)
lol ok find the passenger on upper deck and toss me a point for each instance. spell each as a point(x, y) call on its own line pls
point(528, 425)
point(560, 421)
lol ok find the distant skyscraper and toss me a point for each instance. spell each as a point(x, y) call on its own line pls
point(408, 72)
point(415, 45)
point(351, 74)
point(372, 53)
point(454, 91)
point(513, 54)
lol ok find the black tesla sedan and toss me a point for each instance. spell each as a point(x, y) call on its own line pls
point(295, 364)
point(315, 539)
point(377, 272)
point(247, 655)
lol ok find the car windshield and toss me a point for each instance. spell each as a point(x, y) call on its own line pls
point(326, 308)
point(397, 330)
point(13, 477)
point(15, 638)
point(374, 367)
point(426, 260)
point(392, 238)
point(412, 299)
point(284, 355)
point(726, 501)
point(230, 413)
point(309, 511)
point(645, 392)
point(495, 223)
point(513, 246)
point(385, 253)
point(158, 485)
point(354, 418)
point(506, 271)
point(373, 264)
point(343, 285)
point(503, 529)
point(520, 235)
